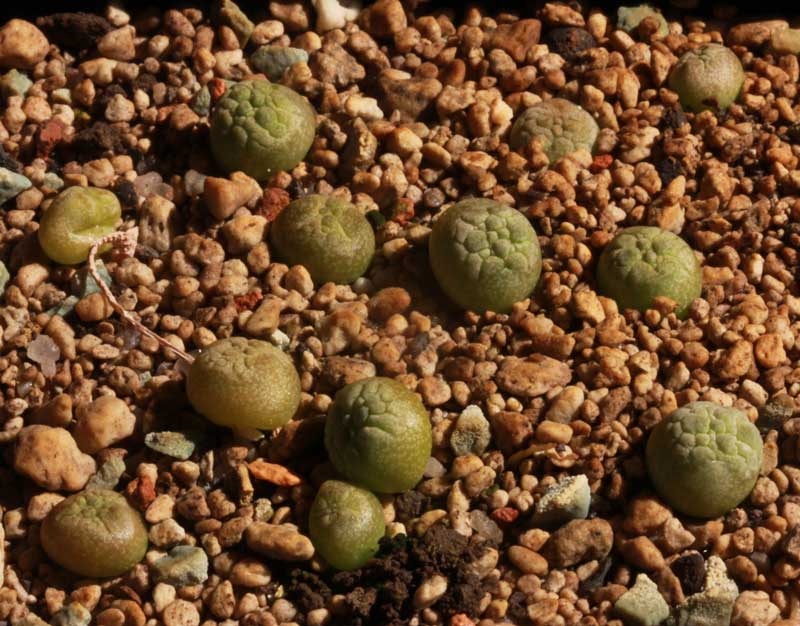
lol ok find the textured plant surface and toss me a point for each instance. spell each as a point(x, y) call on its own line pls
point(244, 383)
point(561, 126)
point(629, 18)
point(709, 77)
point(330, 237)
point(95, 533)
point(704, 458)
point(378, 435)
point(644, 262)
point(75, 220)
point(259, 127)
point(485, 255)
point(345, 524)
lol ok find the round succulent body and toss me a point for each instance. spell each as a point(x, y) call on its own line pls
point(709, 77)
point(704, 459)
point(345, 524)
point(644, 262)
point(244, 383)
point(75, 220)
point(378, 435)
point(561, 126)
point(629, 18)
point(327, 235)
point(485, 255)
point(95, 533)
point(259, 128)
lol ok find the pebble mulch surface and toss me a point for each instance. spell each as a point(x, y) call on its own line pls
point(413, 112)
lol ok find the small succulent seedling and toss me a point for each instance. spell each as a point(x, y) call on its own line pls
point(244, 383)
point(378, 435)
point(345, 524)
point(76, 219)
point(644, 262)
point(95, 533)
point(709, 77)
point(629, 18)
point(331, 237)
point(485, 255)
point(561, 126)
point(259, 128)
point(704, 459)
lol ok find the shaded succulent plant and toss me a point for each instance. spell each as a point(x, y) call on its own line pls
point(485, 255)
point(704, 459)
point(345, 524)
point(259, 128)
point(95, 533)
point(644, 262)
point(331, 237)
point(244, 383)
point(378, 435)
point(629, 18)
point(561, 126)
point(709, 77)
point(75, 220)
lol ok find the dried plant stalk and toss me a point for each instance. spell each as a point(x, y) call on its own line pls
point(125, 242)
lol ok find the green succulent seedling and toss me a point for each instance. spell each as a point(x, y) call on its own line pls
point(485, 255)
point(644, 262)
point(708, 77)
point(378, 435)
point(259, 128)
point(561, 126)
point(331, 237)
point(95, 533)
point(345, 524)
point(244, 383)
point(76, 219)
point(629, 18)
point(704, 459)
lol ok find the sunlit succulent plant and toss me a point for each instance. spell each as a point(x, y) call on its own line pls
point(708, 77)
point(485, 255)
point(76, 219)
point(244, 383)
point(329, 236)
point(259, 128)
point(644, 262)
point(704, 459)
point(378, 435)
point(345, 524)
point(95, 533)
point(561, 126)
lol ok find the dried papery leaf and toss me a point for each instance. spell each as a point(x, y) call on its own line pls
point(125, 242)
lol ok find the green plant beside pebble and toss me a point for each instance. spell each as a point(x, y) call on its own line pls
point(629, 18)
point(330, 237)
point(345, 524)
point(708, 77)
point(94, 533)
point(561, 126)
point(378, 435)
point(244, 383)
point(259, 128)
point(75, 220)
point(485, 255)
point(704, 459)
point(645, 262)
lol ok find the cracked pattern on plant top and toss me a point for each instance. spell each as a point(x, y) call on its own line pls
point(561, 126)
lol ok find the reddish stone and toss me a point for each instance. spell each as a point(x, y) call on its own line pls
point(141, 492)
point(505, 514)
point(273, 202)
point(50, 134)
point(248, 301)
point(216, 87)
point(601, 162)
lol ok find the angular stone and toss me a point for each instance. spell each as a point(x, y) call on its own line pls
point(566, 500)
point(532, 377)
point(177, 444)
point(184, 565)
point(11, 184)
point(642, 604)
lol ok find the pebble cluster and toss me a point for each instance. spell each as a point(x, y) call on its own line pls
point(527, 282)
